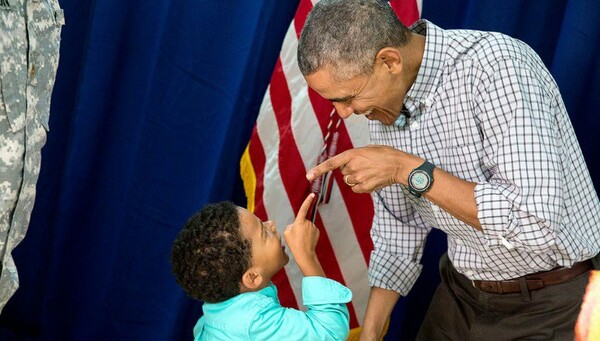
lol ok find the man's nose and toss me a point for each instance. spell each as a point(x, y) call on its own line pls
point(344, 111)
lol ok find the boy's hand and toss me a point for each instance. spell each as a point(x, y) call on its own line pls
point(302, 237)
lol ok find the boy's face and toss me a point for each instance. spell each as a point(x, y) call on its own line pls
point(268, 254)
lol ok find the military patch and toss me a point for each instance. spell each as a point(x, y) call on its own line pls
point(4, 4)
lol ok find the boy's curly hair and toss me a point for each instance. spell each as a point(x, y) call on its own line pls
point(210, 254)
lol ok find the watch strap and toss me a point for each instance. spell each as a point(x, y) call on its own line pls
point(428, 167)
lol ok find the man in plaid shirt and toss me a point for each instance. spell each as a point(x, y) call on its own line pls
point(472, 137)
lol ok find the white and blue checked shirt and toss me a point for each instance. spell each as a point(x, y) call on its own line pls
point(485, 109)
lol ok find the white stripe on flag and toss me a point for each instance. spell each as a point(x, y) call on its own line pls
point(276, 202)
point(305, 126)
point(348, 252)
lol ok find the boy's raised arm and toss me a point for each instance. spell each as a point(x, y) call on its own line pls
point(302, 237)
point(327, 317)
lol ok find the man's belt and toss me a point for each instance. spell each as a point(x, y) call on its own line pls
point(534, 281)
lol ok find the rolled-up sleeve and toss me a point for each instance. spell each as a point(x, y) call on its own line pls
point(521, 203)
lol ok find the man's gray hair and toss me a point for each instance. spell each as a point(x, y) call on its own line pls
point(346, 36)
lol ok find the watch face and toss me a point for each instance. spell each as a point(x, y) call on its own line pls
point(419, 180)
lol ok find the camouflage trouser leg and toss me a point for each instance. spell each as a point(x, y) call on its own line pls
point(19, 169)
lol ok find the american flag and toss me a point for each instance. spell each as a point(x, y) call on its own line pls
point(296, 129)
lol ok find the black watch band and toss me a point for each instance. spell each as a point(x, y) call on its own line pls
point(420, 179)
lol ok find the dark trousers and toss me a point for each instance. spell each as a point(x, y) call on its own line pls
point(459, 311)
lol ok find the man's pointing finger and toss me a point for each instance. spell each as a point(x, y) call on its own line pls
point(328, 165)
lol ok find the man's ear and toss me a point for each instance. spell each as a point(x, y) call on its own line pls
point(391, 59)
point(252, 279)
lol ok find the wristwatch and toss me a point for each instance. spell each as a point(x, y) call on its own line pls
point(420, 179)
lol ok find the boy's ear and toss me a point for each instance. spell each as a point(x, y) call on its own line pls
point(252, 279)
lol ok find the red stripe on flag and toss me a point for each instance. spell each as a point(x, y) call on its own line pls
point(359, 206)
point(301, 13)
point(407, 11)
point(291, 166)
point(257, 155)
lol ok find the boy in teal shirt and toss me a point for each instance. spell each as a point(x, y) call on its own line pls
point(226, 256)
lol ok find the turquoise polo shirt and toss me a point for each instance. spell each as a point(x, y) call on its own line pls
point(259, 315)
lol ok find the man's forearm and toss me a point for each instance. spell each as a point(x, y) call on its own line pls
point(380, 306)
point(454, 195)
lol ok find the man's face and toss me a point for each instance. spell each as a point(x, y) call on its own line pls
point(376, 96)
point(268, 254)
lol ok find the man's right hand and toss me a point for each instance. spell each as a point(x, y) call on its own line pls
point(369, 168)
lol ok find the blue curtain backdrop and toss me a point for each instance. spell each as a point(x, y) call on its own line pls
point(153, 106)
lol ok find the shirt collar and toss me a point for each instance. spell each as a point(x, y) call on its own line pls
point(428, 77)
point(217, 313)
point(270, 291)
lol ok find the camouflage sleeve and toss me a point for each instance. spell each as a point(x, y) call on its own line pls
point(29, 46)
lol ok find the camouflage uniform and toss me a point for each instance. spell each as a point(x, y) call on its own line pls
point(29, 45)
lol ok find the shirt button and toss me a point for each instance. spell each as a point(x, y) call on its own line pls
point(469, 273)
point(506, 243)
